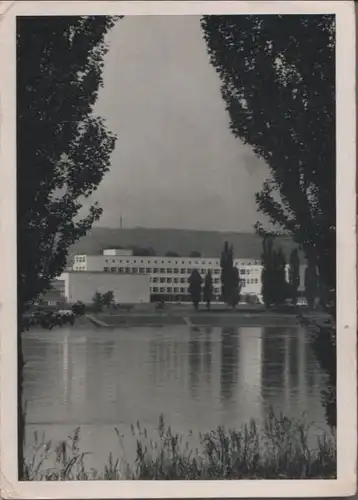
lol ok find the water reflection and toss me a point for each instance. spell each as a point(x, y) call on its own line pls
point(198, 377)
point(194, 361)
point(228, 362)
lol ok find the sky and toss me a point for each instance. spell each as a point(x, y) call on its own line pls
point(176, 163)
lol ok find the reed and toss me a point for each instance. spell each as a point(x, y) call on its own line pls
point(276, 450)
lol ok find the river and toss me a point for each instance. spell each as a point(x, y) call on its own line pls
point(198, 378)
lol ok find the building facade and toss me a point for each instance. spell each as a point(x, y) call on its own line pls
point(169, 276)
point(80, 286)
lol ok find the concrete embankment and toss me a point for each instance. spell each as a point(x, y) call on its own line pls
point(194, 320)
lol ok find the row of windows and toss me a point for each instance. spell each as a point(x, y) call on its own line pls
point(162, 270)
point(175, 280)
point(175, 289)
point(183, 262)
point(80, 258)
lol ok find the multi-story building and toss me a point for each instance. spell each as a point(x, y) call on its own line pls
point(169, 276)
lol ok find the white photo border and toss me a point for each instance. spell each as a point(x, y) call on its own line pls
point(345, 484)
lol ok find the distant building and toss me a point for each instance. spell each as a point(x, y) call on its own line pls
point(127, 288)
point(168, 276)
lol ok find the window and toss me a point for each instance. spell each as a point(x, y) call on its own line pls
point(242, 271)
point(203, 271)
point(217, 291)
point(149, 270)
point(113, 261)
point(183, 261)
point(216, 271)
point(176, 262)
point(155, 262)
point(134, 261)
point(113, 269)
point(106, 261)
point(162, 270)
point(188, 271)
point(155, 289)
point(216, 280)
point(155, 270)
point(127, 269)
point(169, 261)
point(176, 289)
point(182, 280)
point(141, 270)
point(169, 270)
point(169, 289)
point(134, 269)
point(162, 289)
point(182, 289)
point(176, 270)
point(169, 280)
point(155, 280)
point(176, 280)
point(162, 280)
point(141, 261)
point(105, 269)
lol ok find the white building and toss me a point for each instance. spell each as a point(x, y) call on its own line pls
point(81, 286)
point(168, 276)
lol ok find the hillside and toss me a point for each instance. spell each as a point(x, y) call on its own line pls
point(208, 243)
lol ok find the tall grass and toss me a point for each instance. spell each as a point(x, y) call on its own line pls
point(277, 450)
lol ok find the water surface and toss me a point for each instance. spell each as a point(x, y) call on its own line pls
point(198, 378)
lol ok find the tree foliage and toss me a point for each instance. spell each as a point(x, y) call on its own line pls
point(273, 278)
point(278, 83)
point(194, 253)
point(311, 285)
point(294, 275)
point(195, 282)
point(208, 289)
point(170, 253)
point(63, 149)
point(230, 279)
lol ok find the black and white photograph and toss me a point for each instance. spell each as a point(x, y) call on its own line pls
point(178, 297)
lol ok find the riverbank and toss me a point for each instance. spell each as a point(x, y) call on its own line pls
point(276, 450)
point(242, 317)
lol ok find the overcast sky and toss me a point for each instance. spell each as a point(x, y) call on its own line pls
point(176, 164)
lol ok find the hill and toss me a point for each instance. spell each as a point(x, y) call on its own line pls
point(182, 241)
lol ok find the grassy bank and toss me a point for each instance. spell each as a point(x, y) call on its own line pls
point(277, 450)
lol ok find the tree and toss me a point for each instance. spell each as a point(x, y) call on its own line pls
point(170, 253)
point(310, 283)
point(143, 252)
point(208, 289)
point(294, 275)
point(195, 282)
point(97, 302)
point(108, 299)
point(63, 150)
point(194, 254)
point(230, 279)
point(278, 83)
point(273, 276)
point(79, 309)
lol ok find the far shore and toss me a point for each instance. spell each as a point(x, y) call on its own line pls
point(185, 315)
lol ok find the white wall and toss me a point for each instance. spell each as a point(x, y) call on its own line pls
point(127, 289)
